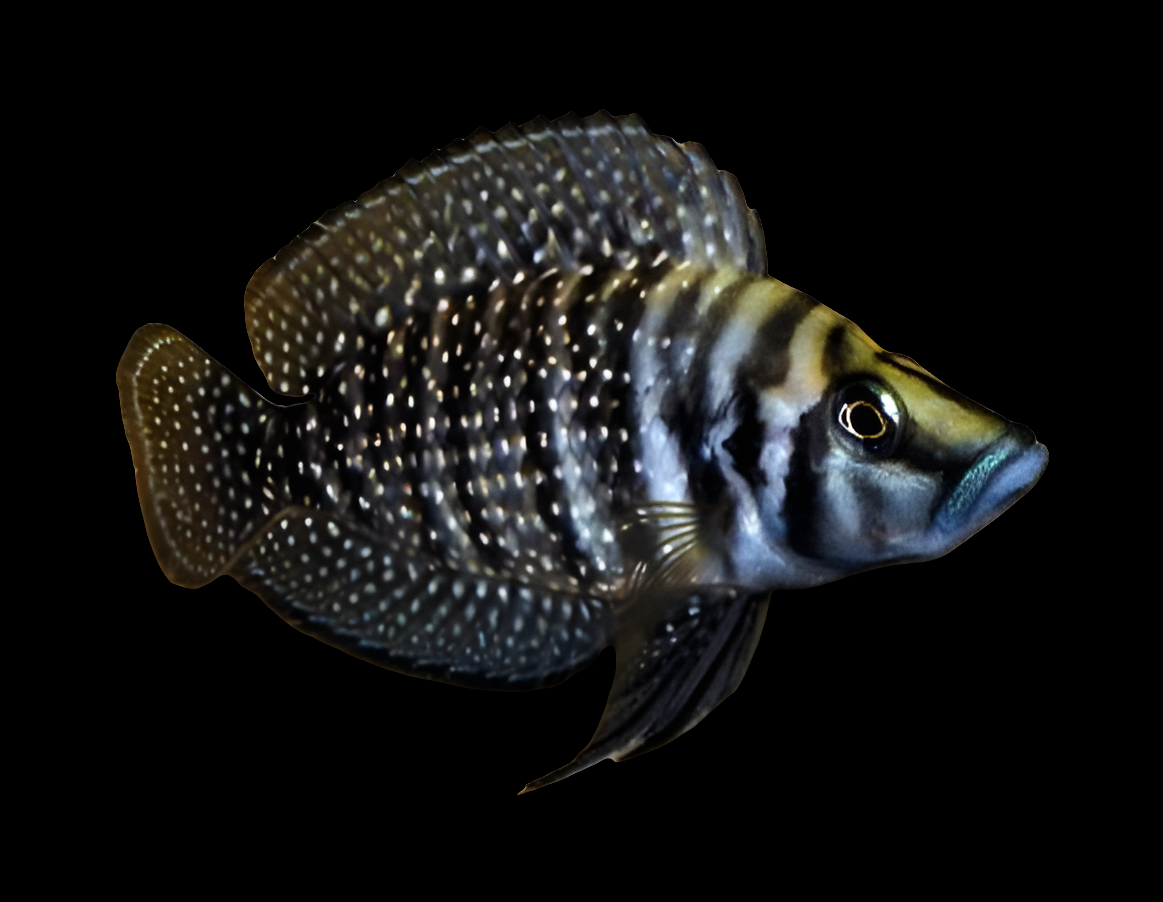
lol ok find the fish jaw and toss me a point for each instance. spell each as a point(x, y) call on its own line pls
point(1000, 475)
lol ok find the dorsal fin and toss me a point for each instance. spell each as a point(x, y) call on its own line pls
point(497, 206)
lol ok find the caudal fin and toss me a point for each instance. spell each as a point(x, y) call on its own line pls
point(196, 432)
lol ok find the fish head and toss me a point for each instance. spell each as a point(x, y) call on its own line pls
point(887, 464)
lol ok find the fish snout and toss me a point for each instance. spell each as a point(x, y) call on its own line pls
point(998, 477)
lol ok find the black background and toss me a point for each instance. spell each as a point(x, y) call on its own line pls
point(932, 691)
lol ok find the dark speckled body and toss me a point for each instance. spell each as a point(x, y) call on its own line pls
point(557, 404)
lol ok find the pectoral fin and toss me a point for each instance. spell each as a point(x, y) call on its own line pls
point(671, 671)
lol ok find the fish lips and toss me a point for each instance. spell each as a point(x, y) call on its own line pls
point(1000, 475)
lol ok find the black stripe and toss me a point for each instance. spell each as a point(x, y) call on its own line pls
point(836, 352)
point(938, 388)
point(746, 443)
point(611, 347)
point(809, 444)
point(681, 316)
point(542, 322)
point(686, 408)
point(411, 446)
point(461, 375)
point(769, 360)
point(321, 446)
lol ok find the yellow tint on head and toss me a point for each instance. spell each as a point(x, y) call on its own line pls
point(945, 415)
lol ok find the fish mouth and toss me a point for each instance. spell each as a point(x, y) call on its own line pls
point(1002, 474)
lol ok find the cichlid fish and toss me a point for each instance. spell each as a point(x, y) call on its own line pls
point(558, 404)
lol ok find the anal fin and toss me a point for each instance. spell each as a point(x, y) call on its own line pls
point(671, 673)
point(402, 608)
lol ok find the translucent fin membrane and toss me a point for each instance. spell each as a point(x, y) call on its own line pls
point(691, 660)
point(195, 431)
point(503, 206)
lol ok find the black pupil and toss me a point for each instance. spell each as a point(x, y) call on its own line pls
point(865, 420)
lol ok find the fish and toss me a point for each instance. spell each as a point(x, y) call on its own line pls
point(544, 399)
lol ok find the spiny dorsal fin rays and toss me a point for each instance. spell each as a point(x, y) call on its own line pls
point(671, 674)
point(403, 609)
point(504, 206)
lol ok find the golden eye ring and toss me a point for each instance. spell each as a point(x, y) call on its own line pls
point(846, 419)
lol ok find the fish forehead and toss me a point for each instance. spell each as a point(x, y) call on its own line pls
point(847, 352)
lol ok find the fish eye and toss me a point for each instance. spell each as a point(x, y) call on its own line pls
point(863, 420)
point(867, 414)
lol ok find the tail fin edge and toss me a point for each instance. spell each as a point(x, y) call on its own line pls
point(188, 423)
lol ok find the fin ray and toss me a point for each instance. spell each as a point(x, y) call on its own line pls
point(492, 207)
point(668, 539)
point(671, 676)
point(196, 432)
